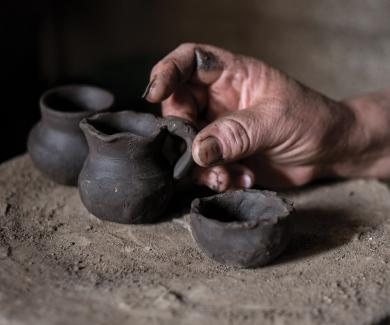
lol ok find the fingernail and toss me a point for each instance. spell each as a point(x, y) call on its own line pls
point(148, 88)
point(210, 151)
point(246, 181)
point(206, 60)
point(213, 181)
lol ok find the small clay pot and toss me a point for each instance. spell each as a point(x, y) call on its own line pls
point(127, 177)
point(246, 228)
point(56, 144)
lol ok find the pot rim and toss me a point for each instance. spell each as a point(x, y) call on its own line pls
point(86, 126)
point(246, 224)
point(75, 114)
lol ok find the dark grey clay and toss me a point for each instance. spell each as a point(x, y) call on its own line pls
point(126, 177)
point(56, 144)
point(246, 228)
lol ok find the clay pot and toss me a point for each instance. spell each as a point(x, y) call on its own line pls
point(126, 177)
point(246, 228)
point(56, 144)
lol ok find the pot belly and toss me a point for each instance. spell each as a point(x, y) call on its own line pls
point(58, 155)
point(126, 199)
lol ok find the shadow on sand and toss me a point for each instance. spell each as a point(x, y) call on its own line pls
point(315, 231)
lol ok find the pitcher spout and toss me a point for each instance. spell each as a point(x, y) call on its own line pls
point(117, 134)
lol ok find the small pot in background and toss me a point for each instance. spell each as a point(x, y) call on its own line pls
point(56, 144)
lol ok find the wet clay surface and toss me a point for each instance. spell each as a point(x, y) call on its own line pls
point(61, 265)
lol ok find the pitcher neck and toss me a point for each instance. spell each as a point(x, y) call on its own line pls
point(124, 146)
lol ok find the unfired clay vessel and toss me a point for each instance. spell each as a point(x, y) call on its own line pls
point(56, 144)
point(126, 177)
point(246, 228)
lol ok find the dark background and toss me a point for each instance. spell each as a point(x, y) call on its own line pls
point(338, 47)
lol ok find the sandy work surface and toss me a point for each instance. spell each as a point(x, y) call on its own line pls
point(60, 265)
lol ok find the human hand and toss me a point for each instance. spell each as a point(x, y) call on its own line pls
point(258, 126)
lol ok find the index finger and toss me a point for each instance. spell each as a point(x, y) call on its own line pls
point(201, 64)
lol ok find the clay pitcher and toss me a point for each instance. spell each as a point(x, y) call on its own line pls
point(56, 144)
point(126, 177)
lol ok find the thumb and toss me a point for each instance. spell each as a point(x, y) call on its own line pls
point(232, 137)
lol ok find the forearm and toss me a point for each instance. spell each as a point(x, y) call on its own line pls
point(370, 156)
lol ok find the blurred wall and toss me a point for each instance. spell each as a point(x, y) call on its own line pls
point(338, 47)
point(21, 73)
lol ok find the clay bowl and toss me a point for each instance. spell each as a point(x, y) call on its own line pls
point(246, 228)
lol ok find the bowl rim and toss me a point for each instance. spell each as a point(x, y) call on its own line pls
point(286, 203)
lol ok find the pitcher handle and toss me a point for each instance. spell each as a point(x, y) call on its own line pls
point(183, 129)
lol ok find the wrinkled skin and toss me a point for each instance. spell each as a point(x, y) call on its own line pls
point(260, 127)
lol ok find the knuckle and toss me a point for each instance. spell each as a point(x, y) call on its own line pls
point(158, 69)
point(220, 182)
point(186, 45)
point(177, 68)
point(238, 73)
point(239, 77)
point(166, 70)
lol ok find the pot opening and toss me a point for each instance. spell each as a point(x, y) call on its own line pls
point(72, 99)
point(114, 123)
point(242, 206)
